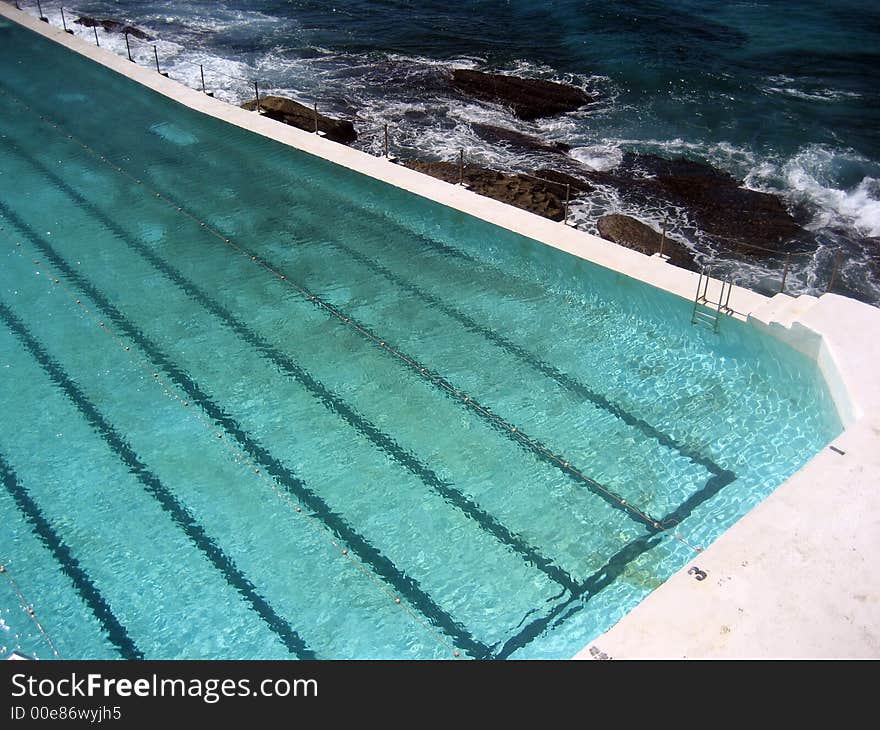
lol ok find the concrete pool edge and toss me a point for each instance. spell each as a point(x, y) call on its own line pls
point(827, 507)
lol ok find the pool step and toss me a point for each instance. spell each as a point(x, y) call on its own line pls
point(705, 317)
point(783, 310)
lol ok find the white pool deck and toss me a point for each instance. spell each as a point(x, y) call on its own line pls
point(799, 575)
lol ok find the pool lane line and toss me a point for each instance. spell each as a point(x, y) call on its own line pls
point(322, 532)
point(561, 378)
point(590, 588)
point(521, 353)
point(611, 498)
point(430, 615)
point(714, 485)
point(70, 566)
point(155, 488)
point(718, 479)
point(330, 400)
point(30, 610)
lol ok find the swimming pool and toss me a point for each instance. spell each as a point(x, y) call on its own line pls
point(260, 406)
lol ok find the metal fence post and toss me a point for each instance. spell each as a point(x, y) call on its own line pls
point(128, 47)
point(461, 167)
point(785, 272)
point(95, 28)
point(257, 94)
point(315, 106)
point(386, 141)
point(565, 207)
point(202, 72)
point(834, 270)
point(64, 22)
point(40, 11)
point(663, 235)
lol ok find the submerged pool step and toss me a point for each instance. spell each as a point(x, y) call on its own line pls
point(703, 317)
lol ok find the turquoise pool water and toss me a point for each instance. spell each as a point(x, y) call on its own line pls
point(259, 406)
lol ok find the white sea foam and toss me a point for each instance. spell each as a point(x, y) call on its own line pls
point(458, 62)
point(603, 156)
point(787, 86)
point(812, 176)
point(857, 207)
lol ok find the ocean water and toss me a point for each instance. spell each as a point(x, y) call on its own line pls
point(785, 96)
point(245, 416)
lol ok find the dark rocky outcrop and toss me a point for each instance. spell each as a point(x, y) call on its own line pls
point(515, 139)
point(298, 115)
point(715, 200)
point(576, 185)
point(113, 26)
point(638, 236)
point(528, 98)
point(519, 190)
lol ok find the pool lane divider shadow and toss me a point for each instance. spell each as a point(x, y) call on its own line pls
point(333, 402)
point(91, 595)
point(437, 381)
point(156, 489)
point(563, 379)
point(720, 477)
point(405, 585)
point(521, 353)
point(591, 587)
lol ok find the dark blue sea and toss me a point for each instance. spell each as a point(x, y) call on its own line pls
point(784, 95)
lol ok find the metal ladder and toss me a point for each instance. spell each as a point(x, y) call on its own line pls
point(707, 312)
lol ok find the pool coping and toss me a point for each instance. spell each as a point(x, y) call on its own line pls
point(794, 577)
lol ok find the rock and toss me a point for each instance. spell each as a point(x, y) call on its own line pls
point(715, 200)
point(638, 236)
point(113, 26)
point(519, 190)
point(298, 115)
point(529, 98)
point(577, 186)
point(512, 138)
point(722, 207)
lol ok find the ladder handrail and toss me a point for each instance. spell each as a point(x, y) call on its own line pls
point(699, 284)
point(697, 298)
point(702, 298)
